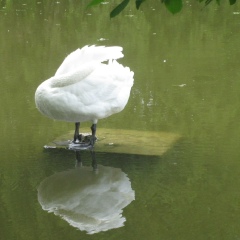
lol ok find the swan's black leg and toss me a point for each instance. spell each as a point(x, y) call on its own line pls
point(93, 138)
point(76, 133)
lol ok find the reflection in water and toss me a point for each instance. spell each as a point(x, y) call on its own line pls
point(88, 200)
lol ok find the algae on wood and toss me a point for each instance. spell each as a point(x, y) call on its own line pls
point(125, 141)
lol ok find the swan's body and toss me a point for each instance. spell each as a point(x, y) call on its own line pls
point(86, 89)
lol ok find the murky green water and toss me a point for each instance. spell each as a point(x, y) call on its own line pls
point(187, 82)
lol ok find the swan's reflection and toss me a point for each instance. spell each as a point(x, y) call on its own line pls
point(88, 200)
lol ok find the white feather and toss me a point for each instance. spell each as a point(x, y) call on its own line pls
point(84, 88)
point(88, 54)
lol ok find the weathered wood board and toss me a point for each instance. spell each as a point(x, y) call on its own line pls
point(123, 141)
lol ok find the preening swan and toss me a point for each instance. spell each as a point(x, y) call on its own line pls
point(86, 88)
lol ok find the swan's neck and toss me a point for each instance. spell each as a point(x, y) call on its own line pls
point(73, 77)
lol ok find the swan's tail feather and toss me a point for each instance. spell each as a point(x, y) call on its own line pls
point(88, 54)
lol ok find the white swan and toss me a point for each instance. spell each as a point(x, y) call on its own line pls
point(85, 88)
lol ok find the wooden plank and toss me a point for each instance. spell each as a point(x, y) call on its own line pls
point(124, 141)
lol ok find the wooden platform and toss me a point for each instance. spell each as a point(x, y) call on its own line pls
point(123, 141)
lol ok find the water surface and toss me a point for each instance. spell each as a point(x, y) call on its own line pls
point(186, 83)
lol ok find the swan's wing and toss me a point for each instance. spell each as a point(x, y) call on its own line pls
point(86, 55)
point(105, 91)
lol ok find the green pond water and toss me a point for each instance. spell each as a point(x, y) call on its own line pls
point(185, 99)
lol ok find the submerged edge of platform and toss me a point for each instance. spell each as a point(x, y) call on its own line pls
point(124, 141)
